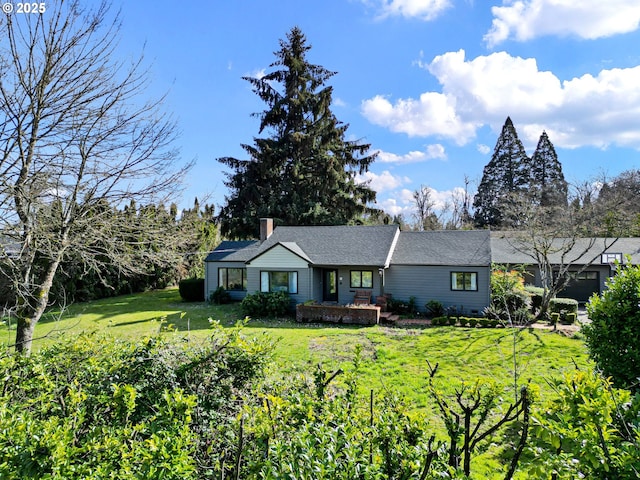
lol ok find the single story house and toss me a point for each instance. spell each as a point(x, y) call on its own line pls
point(332, 263)
point(590, 261)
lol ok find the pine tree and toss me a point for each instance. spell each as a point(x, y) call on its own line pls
point(304, 172)
point(549, 189)
point(504, 180)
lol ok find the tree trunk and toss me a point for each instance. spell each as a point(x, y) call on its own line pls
point(29, 315)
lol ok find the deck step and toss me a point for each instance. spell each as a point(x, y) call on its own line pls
point(388, 317)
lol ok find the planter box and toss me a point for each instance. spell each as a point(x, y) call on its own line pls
point(363, 315)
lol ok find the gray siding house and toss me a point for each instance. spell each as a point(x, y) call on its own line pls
point(331, 263)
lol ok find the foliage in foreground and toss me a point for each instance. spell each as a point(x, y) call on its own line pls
point(613, 336)
point(99, 408)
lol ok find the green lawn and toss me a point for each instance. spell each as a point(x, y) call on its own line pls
point(394, 358)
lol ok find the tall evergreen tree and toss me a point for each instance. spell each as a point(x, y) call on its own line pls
point(504, 180)
point(305, 171)
point(548, 187)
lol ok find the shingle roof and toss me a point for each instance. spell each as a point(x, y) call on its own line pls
point(336, 245)
point(443, 247)
point(510, 248)
point(233, 251)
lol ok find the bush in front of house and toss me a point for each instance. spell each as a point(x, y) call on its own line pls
point(564, 307)
point(266, 304)
point(535, 294)
point(613, 335)
point(434, 308)
point(192, 289)
point(220, 296)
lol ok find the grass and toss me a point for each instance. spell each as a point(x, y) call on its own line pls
point(395, 359)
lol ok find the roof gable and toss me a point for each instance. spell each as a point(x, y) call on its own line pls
point(336, 245)
point(282, 251)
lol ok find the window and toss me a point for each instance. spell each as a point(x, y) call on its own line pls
point(232, 278)
point(467, 281)
point(361, 279)
point(279, 282)
point(611, 258)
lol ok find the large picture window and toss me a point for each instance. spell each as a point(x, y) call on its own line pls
point(279, 282)
point(361, 279)
point(465, 281)
point(232, 278)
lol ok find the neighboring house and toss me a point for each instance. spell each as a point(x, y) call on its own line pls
point(590, 261)
point(331, 263)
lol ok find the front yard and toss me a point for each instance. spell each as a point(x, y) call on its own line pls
point(394, 357)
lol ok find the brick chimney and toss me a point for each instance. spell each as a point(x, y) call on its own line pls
point(266, 228)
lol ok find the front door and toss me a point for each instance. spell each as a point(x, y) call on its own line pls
point(330, 286)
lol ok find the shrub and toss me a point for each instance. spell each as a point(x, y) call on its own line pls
point(535, 293)
point(435, 308)
point(95, 407)
point(508, 295)
point(263, 304)
point(570, 318)
point(452, 321)
point(402, 307)
point(192, 289)
point(439, 321)
point(473, 322)
point(563, 306)
point(484, 322)
point(220, 296)
point(555, 318)
point(613, 336)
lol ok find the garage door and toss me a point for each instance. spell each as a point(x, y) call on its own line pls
point(582, 286)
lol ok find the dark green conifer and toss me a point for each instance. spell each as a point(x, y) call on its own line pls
point(304, 172)
point(548, 188)
point(505, 179)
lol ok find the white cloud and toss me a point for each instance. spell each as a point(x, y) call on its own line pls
point(435, 151)
point(588, 19)
point(432, 114)
point(589, 110)
point(383, 182)
point(338, 102)
point(483, 149)
point(421, 9)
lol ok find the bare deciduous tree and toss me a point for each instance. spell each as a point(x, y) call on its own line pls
point(426, 218)
point(76, 142)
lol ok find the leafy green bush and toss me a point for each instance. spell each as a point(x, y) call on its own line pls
point(263, 304)
point(403, 307)
point(192, 289)
point(588, 430)
point(220, 296)
point(473, 322)
point(95, 407)
point(439, 321)
point(509, 300)
point(563, 306)
point(434, 308)
point(535, 293)
point(613, 335)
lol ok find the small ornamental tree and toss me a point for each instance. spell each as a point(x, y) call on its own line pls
point(613, 335)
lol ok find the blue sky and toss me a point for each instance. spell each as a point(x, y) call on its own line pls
point(428, 83)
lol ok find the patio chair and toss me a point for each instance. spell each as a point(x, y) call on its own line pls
point(362, 297)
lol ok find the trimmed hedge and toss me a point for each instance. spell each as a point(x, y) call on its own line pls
point(192, 289)
point(560, 305)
